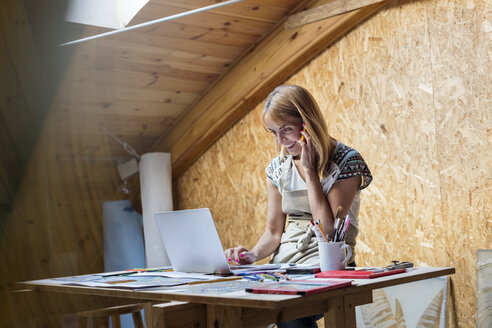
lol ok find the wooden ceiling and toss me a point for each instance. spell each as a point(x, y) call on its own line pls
point(177, 86)
point(139, 83)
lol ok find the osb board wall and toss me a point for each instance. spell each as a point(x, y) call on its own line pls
point(410, 89)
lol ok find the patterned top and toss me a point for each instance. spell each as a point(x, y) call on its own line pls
point(345, 163)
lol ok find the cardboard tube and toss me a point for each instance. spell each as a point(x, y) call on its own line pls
point(156, 191)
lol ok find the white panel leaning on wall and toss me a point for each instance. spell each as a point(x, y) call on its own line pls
point(416, 304)
point(484, 288)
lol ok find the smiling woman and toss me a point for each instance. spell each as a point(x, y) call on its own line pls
point(310, 179)
point(294, 108)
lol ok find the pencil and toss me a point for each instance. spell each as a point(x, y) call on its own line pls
point(270, 277)
point(322, 233)
point(316, 231)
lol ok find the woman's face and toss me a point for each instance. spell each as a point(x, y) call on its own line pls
point(287, 134)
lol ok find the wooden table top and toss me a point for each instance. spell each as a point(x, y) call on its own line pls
point(200, 294)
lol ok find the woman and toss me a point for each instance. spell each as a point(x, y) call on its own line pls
point(312, 177)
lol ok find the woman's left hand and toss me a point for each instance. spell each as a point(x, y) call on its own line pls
point(308, 153)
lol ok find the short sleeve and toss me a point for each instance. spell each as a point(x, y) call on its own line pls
point(274, 170)
point(352, 164)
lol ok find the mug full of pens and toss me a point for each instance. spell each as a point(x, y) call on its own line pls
point(334, 254)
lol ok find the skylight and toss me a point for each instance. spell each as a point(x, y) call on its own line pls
point(114, 14)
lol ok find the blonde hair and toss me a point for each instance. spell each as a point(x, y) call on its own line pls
point(295, 101)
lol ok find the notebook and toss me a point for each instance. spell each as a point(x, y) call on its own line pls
point(191, 241)
point(298, 287)
point(358, 274)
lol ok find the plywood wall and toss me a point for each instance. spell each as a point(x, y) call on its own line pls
point(410, 89)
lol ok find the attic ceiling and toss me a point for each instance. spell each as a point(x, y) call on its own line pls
point(139, 83)
point(176, 86)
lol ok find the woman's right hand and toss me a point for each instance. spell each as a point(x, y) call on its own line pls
point(240, 255)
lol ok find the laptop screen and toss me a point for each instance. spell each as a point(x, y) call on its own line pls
point(191, 241)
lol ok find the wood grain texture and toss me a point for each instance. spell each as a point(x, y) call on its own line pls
point(325, 11)
point(179, 314)
point(410, 89)
point(270, 62)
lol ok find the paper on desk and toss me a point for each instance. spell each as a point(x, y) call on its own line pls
point(133, 281)
point(220, 288)
point(174, 274)
point(131, 271)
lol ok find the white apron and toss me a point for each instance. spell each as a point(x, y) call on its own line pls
point(299, 243)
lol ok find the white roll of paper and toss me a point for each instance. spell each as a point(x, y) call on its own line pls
point(156, 191)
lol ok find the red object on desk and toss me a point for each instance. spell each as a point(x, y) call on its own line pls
point(298, 287)
point(357, 274)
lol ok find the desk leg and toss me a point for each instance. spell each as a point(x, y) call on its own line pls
point(341, 310)
point(178, 314)
point(219, 316)
point(335, 315)
point(148, 314)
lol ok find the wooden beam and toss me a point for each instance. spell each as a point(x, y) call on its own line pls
point(265, 66)
point(331, 9)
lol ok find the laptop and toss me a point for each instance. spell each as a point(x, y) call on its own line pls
point(192, 242)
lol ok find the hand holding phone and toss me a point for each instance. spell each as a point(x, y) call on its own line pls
point(303, 130)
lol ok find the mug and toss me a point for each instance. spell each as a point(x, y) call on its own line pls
point(332, 255)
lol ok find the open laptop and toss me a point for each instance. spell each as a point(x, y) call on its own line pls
point(192, 242)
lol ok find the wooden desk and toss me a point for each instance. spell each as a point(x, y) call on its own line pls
point(241, 309)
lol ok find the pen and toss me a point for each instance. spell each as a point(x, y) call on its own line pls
point(347, 223)
point(243, 274)
point(337, 222)
point(121, 274)
point(251, 278)
point(281, 275)
point(335, 233)
point(270, 277)
point(250, 273)
point(340, 228)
